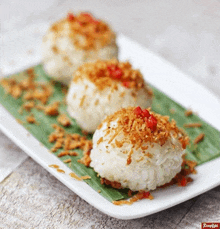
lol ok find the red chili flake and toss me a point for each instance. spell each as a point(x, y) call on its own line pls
point(138, 111)
point(146, 113)
point(87, 15)
point(81, 22)
point(114, 71)
point(183, 182)
point(117, 73)
point(90, 18)
point(126, 84)
point(152, 123)
point(96, 22)
point(70, 17)
point(111, 68)
point(146, 195)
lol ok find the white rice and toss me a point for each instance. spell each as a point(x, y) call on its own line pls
point(98, 104)
point(111, 163)
point(61, 64)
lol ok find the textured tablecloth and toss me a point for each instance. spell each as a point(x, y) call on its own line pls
point(187, 33)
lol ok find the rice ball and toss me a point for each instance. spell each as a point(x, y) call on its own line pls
point(137, 148)
point(73, 41)
point(101, 88)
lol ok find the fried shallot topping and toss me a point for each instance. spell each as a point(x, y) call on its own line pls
point(52, 109)
point(31, 119)
point(199, 138)
point(139, 196)
point(188, 125)
point(188, 113)
point(85, 31)
point(64, 120)
point(108, 73)
point(70, 142)
point(137, 131)
point(114, 184)
point(29, 88)
point(73, 175)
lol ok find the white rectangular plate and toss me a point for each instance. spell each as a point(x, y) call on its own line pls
point(176, 85)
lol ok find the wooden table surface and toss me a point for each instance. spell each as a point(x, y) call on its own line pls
point(187, 33)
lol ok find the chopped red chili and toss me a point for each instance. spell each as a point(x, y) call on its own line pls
point(70, 17)
point(183, 182)
point(111, 68)
point(117, 73)
point(138, 111)
point(89, 18)
point(126, 84)
point(152, 123)
point(114, 71)
point(87, 15)
point(81, 23)
point(96, 22)
point(146, 195)
point(146, 113)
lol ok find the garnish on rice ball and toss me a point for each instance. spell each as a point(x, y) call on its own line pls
point(138, 148)
point(99, 89)
point(74, 40)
